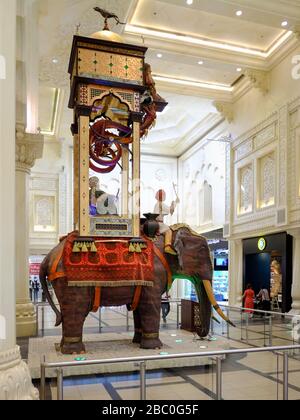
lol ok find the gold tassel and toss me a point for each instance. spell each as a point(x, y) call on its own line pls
point(143, 245)
point(93, 247)
point(84, 248)
point(131, 248)
point(138, 248)
point(76, 249)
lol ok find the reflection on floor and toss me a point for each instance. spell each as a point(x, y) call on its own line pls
point(245, 377)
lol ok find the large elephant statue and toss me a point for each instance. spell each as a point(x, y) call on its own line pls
point(192, 261)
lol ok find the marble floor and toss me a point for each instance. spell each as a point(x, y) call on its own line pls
point(245, 376)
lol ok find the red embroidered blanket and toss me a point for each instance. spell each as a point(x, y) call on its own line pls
point(111, 266)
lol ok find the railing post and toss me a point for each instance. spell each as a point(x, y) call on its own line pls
point(247, 326)
point(143, 381)
point(43, 321)
point(212, 326)
point(100, 320)
point(43, 381)
point(60, 384)
point(270, 331)
point(177, 315)
point(285, 376)
point(37, 319)
point(227, 324)
point(242, 325)
point(127, 320)
point(219, 378)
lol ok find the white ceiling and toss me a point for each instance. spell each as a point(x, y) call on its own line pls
point(212, 20)
point(216, 36)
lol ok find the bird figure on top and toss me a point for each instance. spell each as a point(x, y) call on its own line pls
point(108, 15)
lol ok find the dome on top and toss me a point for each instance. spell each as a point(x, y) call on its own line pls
point(108, 36)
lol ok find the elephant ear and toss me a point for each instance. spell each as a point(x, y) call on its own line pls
point(194, 256)
point(195, 261)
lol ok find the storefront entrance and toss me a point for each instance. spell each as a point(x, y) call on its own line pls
point(258, 271)
point(268, 263)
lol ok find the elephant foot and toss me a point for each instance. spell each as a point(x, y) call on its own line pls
point(151, 342)
point(137, 338)
point(73, 348)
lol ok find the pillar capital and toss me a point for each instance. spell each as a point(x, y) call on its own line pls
point(29, 147)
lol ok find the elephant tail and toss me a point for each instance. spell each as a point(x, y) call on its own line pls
point(43, 280)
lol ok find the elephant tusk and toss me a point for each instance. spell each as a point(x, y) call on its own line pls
point(212, 299)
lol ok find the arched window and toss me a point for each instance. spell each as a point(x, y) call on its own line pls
point(205, 204)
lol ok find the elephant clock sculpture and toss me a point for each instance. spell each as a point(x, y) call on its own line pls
point(110, 260)
point(192, 261)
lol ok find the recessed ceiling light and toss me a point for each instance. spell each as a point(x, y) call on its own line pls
point(284, 23)
point(239, 69)
point(189, 2)
point(55, 61)
point(200, 62)
point(159, 55)
point(239, 12)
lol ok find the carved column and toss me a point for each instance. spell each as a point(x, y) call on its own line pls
point(15, 381)
point(29, 147)
point(296, 272)
point(235, 272)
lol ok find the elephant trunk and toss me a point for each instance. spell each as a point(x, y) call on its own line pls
point(212, 299)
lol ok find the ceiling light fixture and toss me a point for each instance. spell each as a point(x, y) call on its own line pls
point(239, 13)
point(189, 2)
point(159, 55)
point(200, 62)
point(55, 61)
point(239, 69)
point(133, 29)
point(284, 23)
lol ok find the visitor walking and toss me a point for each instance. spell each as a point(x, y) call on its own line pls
point(248, 298)
point(165, 306)
point(264, 298)
point(36, 288)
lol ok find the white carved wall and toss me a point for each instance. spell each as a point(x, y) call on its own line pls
point(262, 187)
point(202, 185)
point(51, 197)
point(44, 204)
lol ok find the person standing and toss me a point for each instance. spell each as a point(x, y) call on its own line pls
point(163, 210)
point(30, 288)
point(36, 289)
point(248, 298)
point(165, 306)
point(264, 298)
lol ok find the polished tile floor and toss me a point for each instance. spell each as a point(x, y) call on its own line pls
point(245, 376)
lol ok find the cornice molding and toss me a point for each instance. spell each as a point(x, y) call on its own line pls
point(225, 109)
point(259, 79)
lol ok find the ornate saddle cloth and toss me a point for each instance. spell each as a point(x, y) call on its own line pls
point(113, 264)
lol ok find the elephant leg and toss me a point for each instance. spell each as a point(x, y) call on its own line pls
point(150, 318)
point(137, 327)
point(75, 308)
